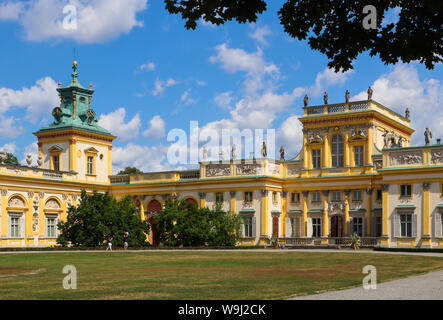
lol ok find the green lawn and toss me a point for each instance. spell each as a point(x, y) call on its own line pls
point(197, 274)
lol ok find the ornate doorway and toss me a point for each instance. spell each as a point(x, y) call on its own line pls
point(154, 207)
point(336, 226)
point(275, 226)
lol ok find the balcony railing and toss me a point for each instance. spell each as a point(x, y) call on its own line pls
point(123, 179)
point(337, 241)
point(190, 174)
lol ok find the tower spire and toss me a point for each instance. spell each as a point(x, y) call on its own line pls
point(75, 73)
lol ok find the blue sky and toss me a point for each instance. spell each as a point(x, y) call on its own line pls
point(151, 75)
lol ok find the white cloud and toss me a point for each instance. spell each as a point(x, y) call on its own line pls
point(290, 136)
point(260, 34)
point(326, 78)
point(150, 66)
point(10, 128)
point(402, 88)
point(156, 128)
point(257, 69)
point(38, 99)
point(160, 86)
point(9, 147)
point(224, 99)
point(186, 98)
point(97, 20)
point(142, 157)
point(11, 10)
point(114, 122)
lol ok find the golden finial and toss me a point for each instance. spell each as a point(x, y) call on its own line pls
point(90, 86)
point(59, 84)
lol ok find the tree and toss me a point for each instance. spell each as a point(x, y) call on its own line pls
point(183, 224)
point(9, 159)
point(130, 170)
point(99, 217)
point(335, 27)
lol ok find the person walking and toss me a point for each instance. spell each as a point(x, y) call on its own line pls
point(126, 240)
point(109, 244)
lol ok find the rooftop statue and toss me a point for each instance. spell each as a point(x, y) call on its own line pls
point(325, 98)
point(347, 96)
point(428, 134)
point(282, 153)
point(370, 91)
point(407, 114)
point(263, 150)
point(306, 100)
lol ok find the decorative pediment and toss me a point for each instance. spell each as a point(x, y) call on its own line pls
point(55, 149)
point(91, 150)
point(315, 137)
point(52, 204)
point(358, 133)
point(16, 202)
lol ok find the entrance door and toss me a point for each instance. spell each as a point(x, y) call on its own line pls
point(336, 226)
point(275, 227)
point(153, 207)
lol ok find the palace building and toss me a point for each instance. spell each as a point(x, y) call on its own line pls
point(356, 173)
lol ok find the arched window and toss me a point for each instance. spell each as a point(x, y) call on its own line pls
point(337, 151)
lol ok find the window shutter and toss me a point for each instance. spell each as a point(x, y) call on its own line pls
point(254, 227)
point(414, 225)
point(396, 225)
point(288, 228)
point(309, 228)
point(437, 225)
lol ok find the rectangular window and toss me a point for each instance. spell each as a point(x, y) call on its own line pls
point(295, 197)
point(15, 227)
point(406, 225)
point(219, 197)
point(316, 159)
point(357, 223)
point(358, 156)
point(316, 227)
point(357, 195)
point(405, 190)
point(295, 227)
point(247, 226)
point(248, 196)
point(379, 195)
point(51, 227)
point(90, 165)
point(378, 226)
point(336, 196)
point(316, 197)
point(56, 162)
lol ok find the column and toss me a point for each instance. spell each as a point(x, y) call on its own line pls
point(109, 160)
point(283, 212)
point(41, 215)
point(325, 229)
point(426, 232)
point(142, 208)
point(368, 211)
point(63, 214)
point(264, 213)
point(305, 212)
point(4, 213)
point(28, 216)
point(305, 149)
point(346, 147)
point(326, 150)
point(72, 155)
point(368, 160)
point(202, 196)
point(233, 202)
point(385, 214)
point(347, 192)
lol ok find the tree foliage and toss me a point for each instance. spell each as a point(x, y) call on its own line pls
point(10, 159)
point(335, 27)
point(130, 170)
point(183, 224)
point(99, 217)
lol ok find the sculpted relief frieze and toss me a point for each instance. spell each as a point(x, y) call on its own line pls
point(52, 204)
point(16, 202)
point(437, 156)
point(405, 158)
point(217, 170)
point(274, 168)
point(248, 169)
point(293, 170)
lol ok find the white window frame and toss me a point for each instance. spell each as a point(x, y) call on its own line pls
point(316, 159)
point(358, 156)
point(316, 196)
point(316, 227)
point(19, 217)
point(334, 193)
point(90, 165)
point(359, 198)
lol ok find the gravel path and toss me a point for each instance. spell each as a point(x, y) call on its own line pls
point(424, 287)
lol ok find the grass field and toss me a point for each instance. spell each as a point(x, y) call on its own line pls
point(197, 274)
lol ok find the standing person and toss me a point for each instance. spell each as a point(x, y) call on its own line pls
point(109, 244)
point(126, 240)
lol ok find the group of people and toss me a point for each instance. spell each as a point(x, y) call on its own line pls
point(125, 246)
